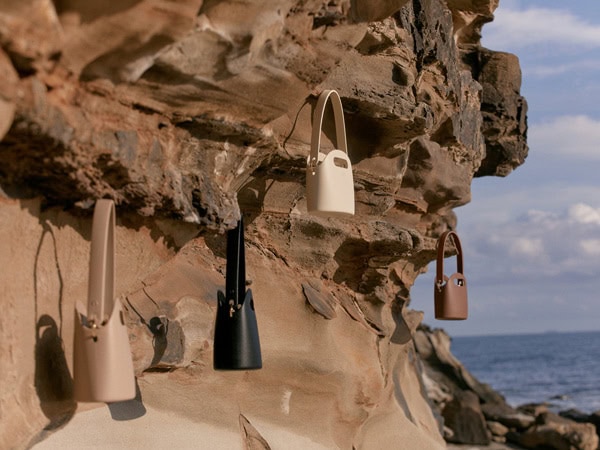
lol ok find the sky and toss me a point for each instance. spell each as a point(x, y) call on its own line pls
point(531, 240)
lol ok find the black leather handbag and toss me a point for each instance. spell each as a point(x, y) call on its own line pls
point(236, 345)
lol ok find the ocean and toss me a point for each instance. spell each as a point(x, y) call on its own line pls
point(562, 369)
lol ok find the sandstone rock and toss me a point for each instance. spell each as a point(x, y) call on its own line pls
point(555, 432)
point(252, 438)
point(371, 11)
point(434, 349)
point(581, 417)
point(505, 145)
point(463, 416)
point(323, 303)
point(496, 428)
point(575, 415)
point(508, 416)
point(533, 409)
point(7, 93)
point(193, 113)
point(31, 33)
point(448, 383)
point(468, 18)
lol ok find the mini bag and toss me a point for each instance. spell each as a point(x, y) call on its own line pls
point(450, 294)
point(102, 364)
point(329, 181)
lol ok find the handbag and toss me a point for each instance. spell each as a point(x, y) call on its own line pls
point(329, 182)
point(102, 364)
point(236, 342)
point(450, 293)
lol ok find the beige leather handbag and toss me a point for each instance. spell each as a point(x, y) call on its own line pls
point(102, 365)
point(450, 293)
point(329, 182)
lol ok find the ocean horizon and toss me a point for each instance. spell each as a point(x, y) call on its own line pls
point(523, 333)
point(561, 369)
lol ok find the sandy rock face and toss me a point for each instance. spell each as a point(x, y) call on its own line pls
point(190, 114)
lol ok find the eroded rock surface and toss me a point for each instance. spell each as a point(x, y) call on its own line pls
point(473, 413)
point(189, 114)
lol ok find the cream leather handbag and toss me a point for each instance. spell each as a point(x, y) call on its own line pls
point(329, 181)
point(102, 365)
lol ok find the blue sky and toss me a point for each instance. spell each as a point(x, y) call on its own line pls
point(532, 239)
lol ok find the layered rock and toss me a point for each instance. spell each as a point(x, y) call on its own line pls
point(473, 413)
point(553, 431)
point(189, 114)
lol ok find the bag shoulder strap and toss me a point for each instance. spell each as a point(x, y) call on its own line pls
point(101, 284)
point(340, 126)
point(440, 255)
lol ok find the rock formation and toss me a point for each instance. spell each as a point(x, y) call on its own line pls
point(473, 413)
point(189, 114)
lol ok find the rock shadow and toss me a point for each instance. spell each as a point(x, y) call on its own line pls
point(352, 259)
point(159, 327)
point(52, 379)
point(402, 333)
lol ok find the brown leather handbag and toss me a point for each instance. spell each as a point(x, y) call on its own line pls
point(450, 293)
point(102, 364)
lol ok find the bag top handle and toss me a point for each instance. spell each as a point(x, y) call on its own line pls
point(101, 284)
point(340, 126)
point(440, 255)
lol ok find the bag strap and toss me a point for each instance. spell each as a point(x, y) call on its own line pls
point(235, 274)
point(440, 255)
point(340, 126)
point(101, 285)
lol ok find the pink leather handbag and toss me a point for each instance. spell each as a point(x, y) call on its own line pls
point(102, 364)
point(450, 293)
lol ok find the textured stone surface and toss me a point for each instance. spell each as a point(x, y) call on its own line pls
point(189, 114)
point(458, 397)
point(554, 432)
point(474, 414)
point(464, 417)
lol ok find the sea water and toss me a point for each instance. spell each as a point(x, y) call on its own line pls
point(562, 369)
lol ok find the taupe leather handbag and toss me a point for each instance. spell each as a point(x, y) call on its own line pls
point(450, 293)
point(102, 365)
point(329, 181)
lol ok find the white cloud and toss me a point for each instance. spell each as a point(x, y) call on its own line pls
point(521, 29)
point(584, 214)
point(527, 247)
point(557, 69)
point(570, 136)
point(591, 246)
point(540, 245)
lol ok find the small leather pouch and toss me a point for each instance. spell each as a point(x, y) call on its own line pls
point(329, 181)
point(450, 293)
point(102, 364)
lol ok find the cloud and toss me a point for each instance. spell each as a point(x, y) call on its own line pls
point(571, 136)
point(584, 214)
point(540, 246)
point(553, 70)
point(539, 26)
point(590, 246)
point(526, 247)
